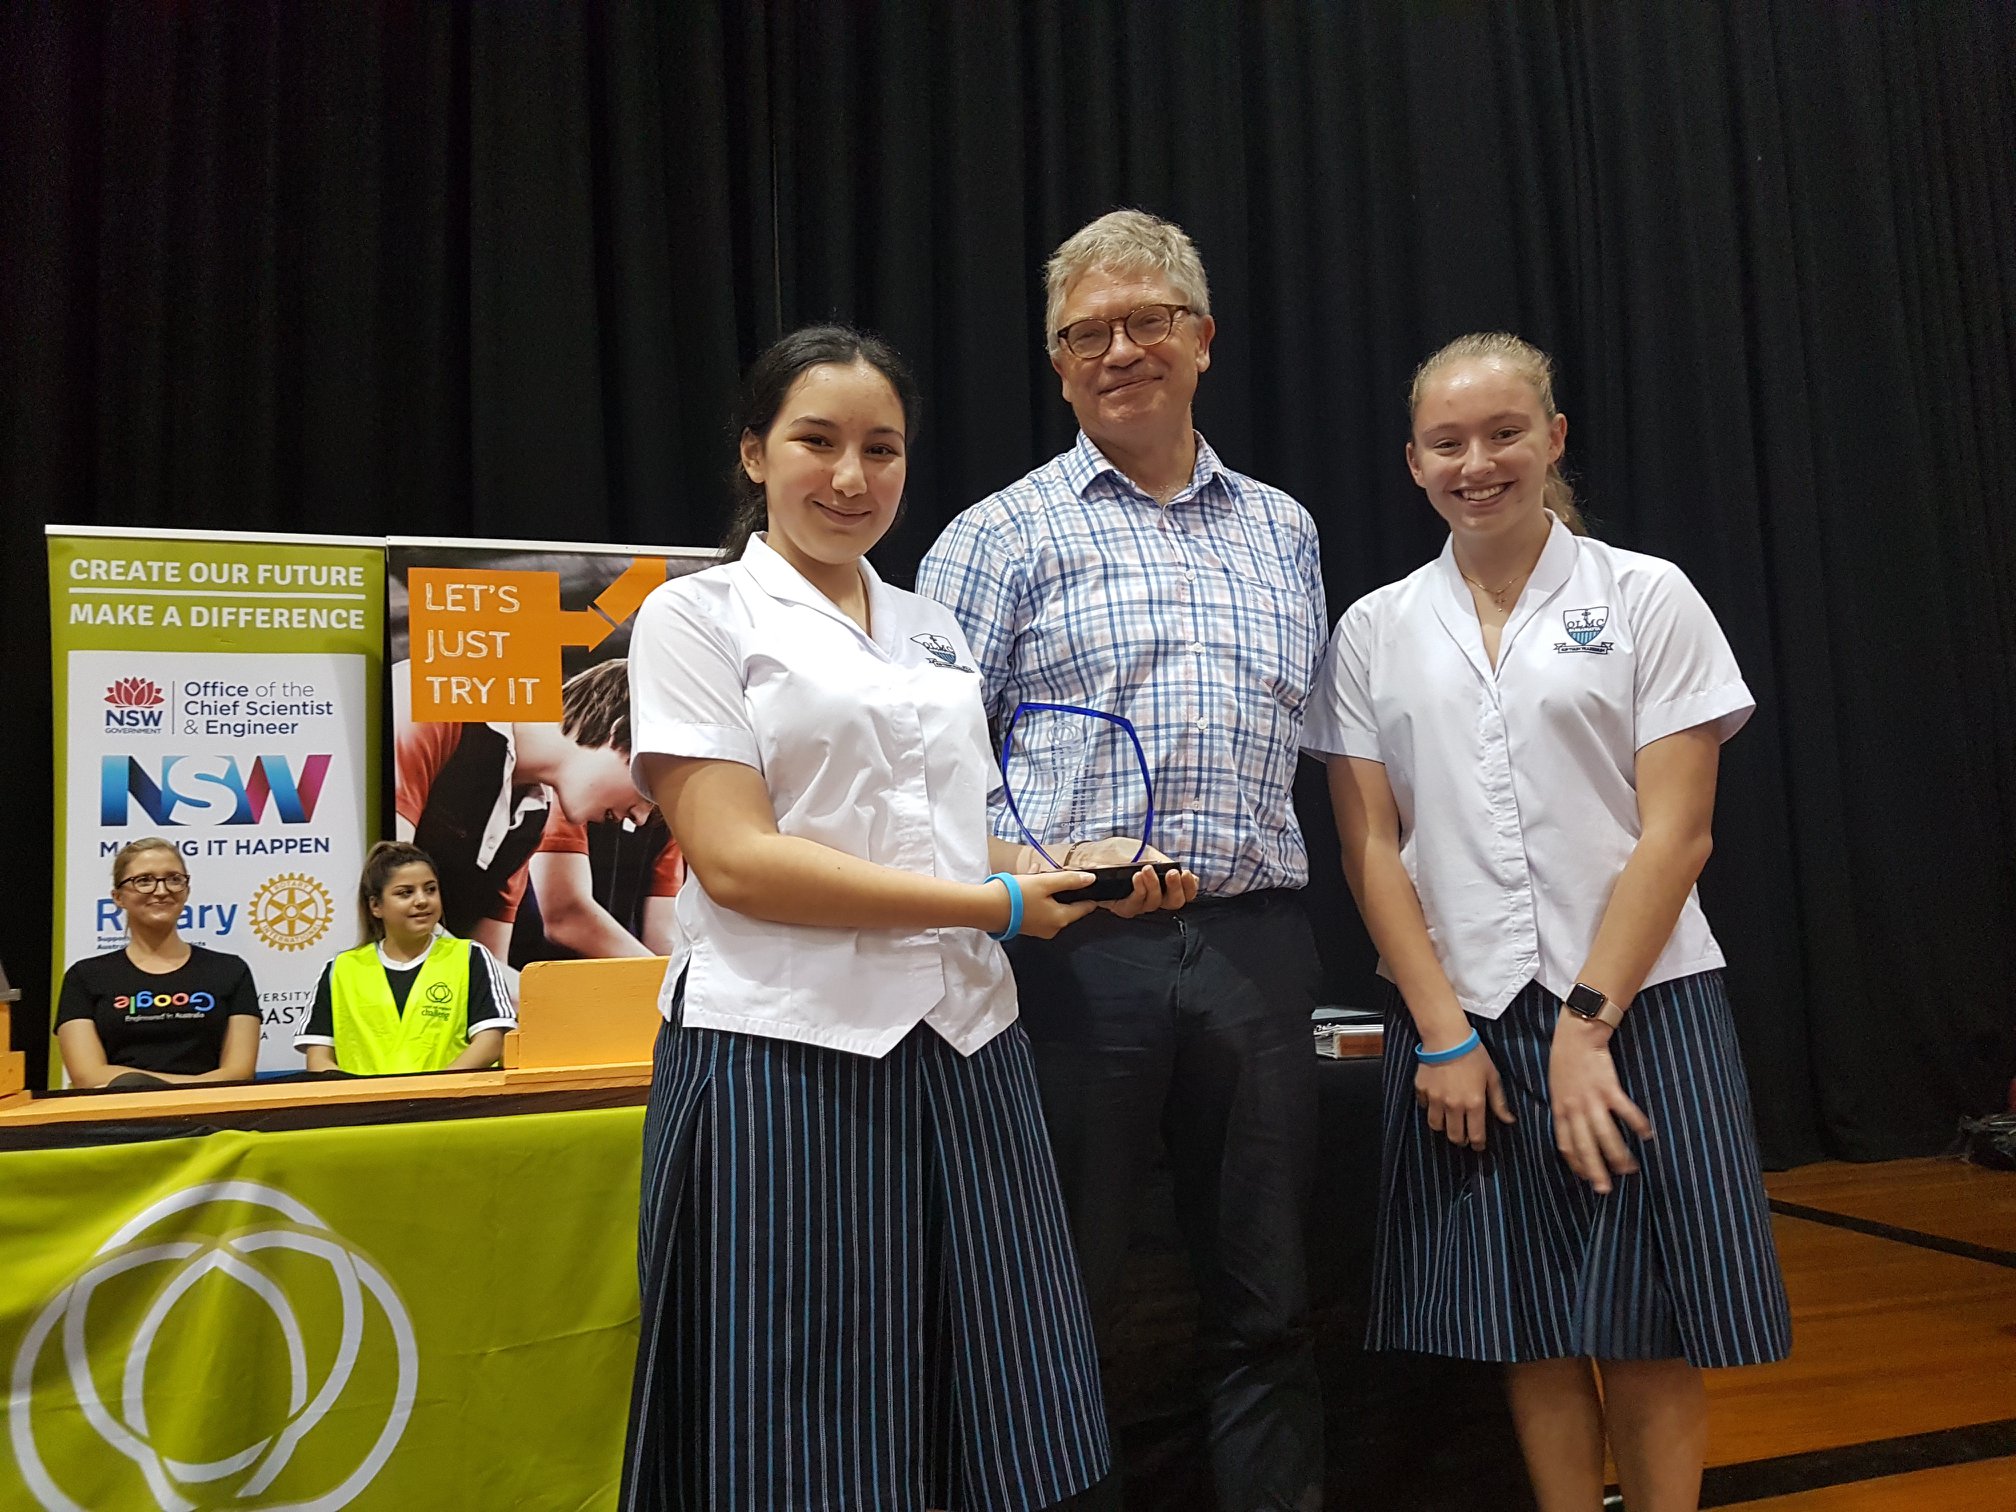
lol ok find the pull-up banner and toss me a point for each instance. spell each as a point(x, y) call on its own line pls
point(511, 746)
point(222, 692)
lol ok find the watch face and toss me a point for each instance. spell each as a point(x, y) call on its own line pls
point(1584, 1002)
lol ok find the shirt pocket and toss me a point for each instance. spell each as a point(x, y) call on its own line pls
point(1272, 620)
point(1278, 638)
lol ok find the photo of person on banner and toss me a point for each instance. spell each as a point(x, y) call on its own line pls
point(562, 883)
point(545, 850)
point(479, 797)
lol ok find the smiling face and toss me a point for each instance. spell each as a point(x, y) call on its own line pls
point(1131, 396)
point(831, 467)
point(163, 906)
point(409, 904)
point(1482, 448)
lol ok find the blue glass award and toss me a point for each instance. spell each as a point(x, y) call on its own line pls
point(1073, 775)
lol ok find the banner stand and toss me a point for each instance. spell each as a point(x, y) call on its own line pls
point(222, 691)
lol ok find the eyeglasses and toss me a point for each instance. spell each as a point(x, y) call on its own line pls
point(1146, 326)
point(173, 882)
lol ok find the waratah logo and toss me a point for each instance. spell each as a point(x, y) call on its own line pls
point(134, 693)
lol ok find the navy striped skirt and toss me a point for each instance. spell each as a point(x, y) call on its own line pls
point(858, 1286)
point(1508, 1255)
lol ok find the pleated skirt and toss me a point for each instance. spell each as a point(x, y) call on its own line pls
point(858, 1287)
point(1507, 1255)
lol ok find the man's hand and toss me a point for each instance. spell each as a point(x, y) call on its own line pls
point(1152, 890)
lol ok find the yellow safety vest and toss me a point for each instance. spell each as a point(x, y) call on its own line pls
point(373, 1038)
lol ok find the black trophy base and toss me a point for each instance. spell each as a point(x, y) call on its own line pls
point(1111, 883)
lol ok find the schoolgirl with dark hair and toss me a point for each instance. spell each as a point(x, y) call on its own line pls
point(858, 1288)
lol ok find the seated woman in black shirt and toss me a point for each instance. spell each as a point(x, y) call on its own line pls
point(174, 1011)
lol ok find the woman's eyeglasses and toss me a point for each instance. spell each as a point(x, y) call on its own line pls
point(172, 882)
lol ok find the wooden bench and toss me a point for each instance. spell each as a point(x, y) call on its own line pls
point(13, 1063)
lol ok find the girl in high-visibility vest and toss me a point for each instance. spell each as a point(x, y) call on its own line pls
point(412, 997)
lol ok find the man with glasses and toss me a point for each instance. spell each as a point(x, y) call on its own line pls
point(1138, 575)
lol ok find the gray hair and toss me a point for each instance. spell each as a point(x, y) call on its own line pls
point(1126, 241)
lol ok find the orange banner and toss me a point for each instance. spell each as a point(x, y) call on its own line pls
point(486, 644)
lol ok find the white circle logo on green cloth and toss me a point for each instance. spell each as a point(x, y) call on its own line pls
point(149, 1383)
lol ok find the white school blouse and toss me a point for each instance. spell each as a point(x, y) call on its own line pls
point(1517, 788)
point(876, 745)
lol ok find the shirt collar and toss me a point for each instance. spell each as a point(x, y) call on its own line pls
point(1085, 464)
point(1550, 572)
point(1557, 561)
point(513, 801)
point(785, 583)
point(1458, 612)
point(440, 933)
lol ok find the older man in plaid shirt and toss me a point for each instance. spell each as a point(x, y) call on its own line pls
point(1139, 575)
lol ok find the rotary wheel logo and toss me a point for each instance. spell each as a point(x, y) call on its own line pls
point(94, 1363)
point(291, 911)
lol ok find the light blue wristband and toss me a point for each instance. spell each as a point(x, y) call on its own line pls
point(1443, 1057)
point(1007, 880)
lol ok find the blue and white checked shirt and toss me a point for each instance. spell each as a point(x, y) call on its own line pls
point(1201, 621)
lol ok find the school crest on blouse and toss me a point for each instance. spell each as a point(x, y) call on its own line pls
point(1583, 626)
point(941, 651)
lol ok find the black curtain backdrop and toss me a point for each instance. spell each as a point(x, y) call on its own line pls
point(493, 269)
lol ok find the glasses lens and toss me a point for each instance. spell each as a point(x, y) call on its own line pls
point(1086, 339)
point(1149, 324)
point(172, 882)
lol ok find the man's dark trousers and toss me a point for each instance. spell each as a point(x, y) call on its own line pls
point(1190, 1031)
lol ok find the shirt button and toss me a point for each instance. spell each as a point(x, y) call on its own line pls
point(1203, 724)
point(1197, 646)
point(1190, 577)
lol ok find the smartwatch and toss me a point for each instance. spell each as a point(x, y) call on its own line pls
point(1586, 1003)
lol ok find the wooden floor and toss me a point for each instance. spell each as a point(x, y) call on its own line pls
point(1904, 1354)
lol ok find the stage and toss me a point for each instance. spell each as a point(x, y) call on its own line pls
point(1899, 1396)
point(1900, 1392)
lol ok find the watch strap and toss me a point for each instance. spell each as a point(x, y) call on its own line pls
point(1587, 1002)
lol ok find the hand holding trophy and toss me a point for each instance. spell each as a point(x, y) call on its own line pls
point(1076, 782)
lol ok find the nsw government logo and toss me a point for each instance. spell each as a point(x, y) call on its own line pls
point(234, 1402)
point(133, 706)
point(1583, 626)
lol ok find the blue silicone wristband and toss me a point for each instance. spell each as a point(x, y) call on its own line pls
point(1007, 880)
point(1443, 1057)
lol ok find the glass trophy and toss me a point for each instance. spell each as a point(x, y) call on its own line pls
point(1072, 775)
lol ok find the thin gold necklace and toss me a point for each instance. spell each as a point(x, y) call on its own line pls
point(1518, 579)
point(1497, 595)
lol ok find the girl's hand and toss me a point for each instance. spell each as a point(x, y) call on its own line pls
point(1588, 1101)
point(1456, 1095)
point(1042, 915)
